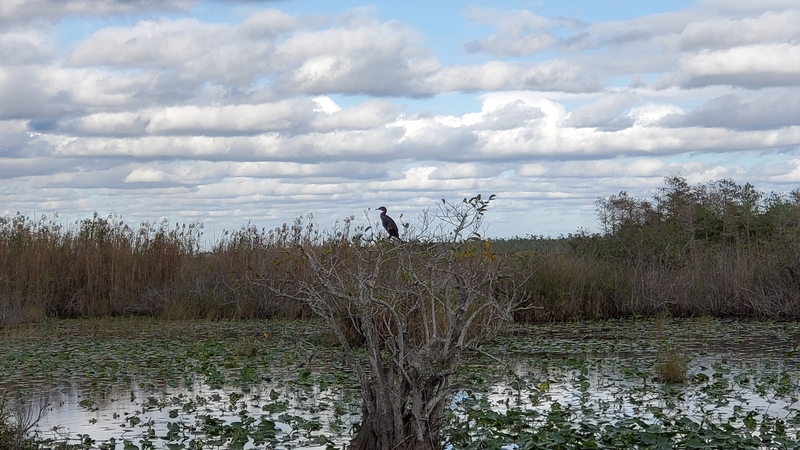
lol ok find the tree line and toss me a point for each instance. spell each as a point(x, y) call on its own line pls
point(720, 212)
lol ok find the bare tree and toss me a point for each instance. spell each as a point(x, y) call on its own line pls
point(416, 306)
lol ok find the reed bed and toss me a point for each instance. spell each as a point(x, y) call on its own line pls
point(691, 251)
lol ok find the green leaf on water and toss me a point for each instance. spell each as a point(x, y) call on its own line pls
point(750, 421)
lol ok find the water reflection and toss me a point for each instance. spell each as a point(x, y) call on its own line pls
point(614, 389)
point(148, 416)
point(732, 376)
point(309, 416)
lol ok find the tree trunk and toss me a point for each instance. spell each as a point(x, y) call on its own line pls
point(378, 433)
point(390, 419)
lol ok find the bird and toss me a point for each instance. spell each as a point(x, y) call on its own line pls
point(388, 224)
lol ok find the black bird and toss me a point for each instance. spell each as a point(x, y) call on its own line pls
point(388, 224)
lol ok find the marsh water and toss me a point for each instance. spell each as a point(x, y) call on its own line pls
point(280, 385)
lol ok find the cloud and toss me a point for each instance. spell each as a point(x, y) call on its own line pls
point(25, 46)
point(509, 116)
point(768, 110)
point(752, 66)
point(285, 115)
point(359, 57)
point(228, 120)
point(520, 32)
point(725, 7)
point(553, 75)
point(195, 52)
point(111, 124)
point(268, 114)
point(606, 113)
point(364, 116)
point(16, 11)
point(782, 175)
point(466, 170)
point(609, 168)
point(356, 56)
point(21, 94)
point(269, 24)
point(723, 33)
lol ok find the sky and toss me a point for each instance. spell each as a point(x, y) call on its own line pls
point(231, 113)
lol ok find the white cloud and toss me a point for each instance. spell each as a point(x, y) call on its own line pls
point(269, 24)
point(269, 114)
point(722, 33)
point(753, 66)
point(520, 32)
point(553, 75)
point(746, 8)
point(465, 170)
point(368, 115)
point(648, 171)
point(146, 175)
point(792, 175)
point(194, 50)
point(21, 10)
point(607, 112)
point(130, 123)
point(765, 109)
point(22, 94)
point(652, 113)
point(236, 119)
point(24, 46)
point(362, 56)
point(326, 104)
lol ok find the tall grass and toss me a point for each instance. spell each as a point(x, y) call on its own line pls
point(720, 281)
point(101, 266)
point(686, 259)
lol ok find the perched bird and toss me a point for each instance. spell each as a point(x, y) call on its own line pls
point(388, 224)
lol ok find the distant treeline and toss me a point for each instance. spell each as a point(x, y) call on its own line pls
point(719, 249)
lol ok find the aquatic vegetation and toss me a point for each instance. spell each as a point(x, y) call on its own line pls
point(672, 366)
point(128, 383)
point(589, 387)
